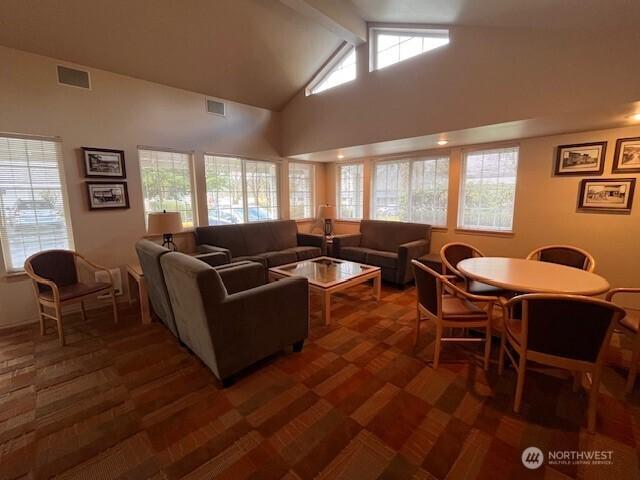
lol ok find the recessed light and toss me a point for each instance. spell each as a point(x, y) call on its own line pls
point(340, 156)
point(636, 117)
point(442, 142)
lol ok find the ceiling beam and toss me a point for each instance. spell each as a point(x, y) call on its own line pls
point(337, 16)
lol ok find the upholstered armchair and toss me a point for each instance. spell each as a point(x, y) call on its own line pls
point(230, 331)
point(56, 283)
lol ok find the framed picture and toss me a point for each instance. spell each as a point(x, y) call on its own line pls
point(610, 195)
point(103, 163)
point(581, 159)
point(627, 156)
point(105, 195)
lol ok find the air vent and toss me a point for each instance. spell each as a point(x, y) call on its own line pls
point(73, 77)
point(216, 107)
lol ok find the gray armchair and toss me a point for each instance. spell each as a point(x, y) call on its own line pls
point(230, 331)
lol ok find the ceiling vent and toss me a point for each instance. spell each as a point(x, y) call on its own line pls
point(216, 107)
point(73, 77)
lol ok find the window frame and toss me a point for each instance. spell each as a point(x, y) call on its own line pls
point(342, 52)
point(245, 197)
point(6, 269)
point(312, 190)
point(411, 160)
point(414, 31)
point(339, 191)
point(191, 176)
point(461, 190)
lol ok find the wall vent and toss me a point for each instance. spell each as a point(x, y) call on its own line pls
point(73, 77)
point(216, 107)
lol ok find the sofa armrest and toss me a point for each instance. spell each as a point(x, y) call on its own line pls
point(204, 248)
point(349, 240)
point(213, 258)
point(407, 252)
point(240, 276)
point(313, 240)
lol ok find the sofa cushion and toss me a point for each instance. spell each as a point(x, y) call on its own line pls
point(382, 259)
point(388, 236)
point(226, 236)
point(355, 254)
point(305, 253)
point(275, 259)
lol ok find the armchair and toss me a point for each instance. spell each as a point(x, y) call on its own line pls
point(630, 326)
point(230, 331)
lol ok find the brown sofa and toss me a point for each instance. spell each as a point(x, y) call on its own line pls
point(270, 243)
point(388, 245)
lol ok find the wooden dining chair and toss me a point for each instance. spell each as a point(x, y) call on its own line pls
point(564, 255)
point(453, 253)
point(563, 331)
point(459, 310)
point(630, 326)
point(55, 279)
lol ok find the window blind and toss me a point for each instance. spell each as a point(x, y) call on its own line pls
point(350, 191)
point(301, 202)
point(33, 213)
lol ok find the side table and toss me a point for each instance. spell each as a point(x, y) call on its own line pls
point(134, 271)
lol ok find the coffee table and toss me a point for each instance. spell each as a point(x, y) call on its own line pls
point(329, 275)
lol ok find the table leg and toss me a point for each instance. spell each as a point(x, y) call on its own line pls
point(145, 311)
point(377, 286)
point(326, 307)
point(129, 276)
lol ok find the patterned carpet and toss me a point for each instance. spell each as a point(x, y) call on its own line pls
point(127, 402)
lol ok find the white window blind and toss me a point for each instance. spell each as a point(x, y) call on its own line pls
point(33, 213)
point(301, 201)
point(350, 191)
point(412, 190)
point(240, 190)
point(393, 46)
point(343, 71)
point(167, 183)
point(488, 189)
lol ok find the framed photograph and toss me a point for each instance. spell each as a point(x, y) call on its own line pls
point(103, 163)
point(581, 159)
point(609, 195)
point(627, 156)
point(105, 195)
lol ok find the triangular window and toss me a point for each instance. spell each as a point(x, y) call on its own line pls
point(340, 69)
point(395, 45)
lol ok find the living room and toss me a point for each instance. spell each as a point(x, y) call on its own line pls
point(488, 135)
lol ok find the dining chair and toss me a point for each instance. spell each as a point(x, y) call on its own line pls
point(563, 331)
point(564, 255)
point(453, 253)
point(630, 326)
point(456, 310)
point(55, 280)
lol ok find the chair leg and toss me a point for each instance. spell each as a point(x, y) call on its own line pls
point(83, 311)
point(58, 309)
point(416, 336)
point(522, 368)
point(593, 399)
point(40, 314)
point(436, 353)
point(115, 305)
point(487, 347)
point(633, 370)
point(501, 355)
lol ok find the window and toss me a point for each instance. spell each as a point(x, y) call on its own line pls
point(240, 190)
point(33, 214)
point(166, 183)
point(340, 69)
point(350, 187)
point(488, 189)
point(301, 204)
point(391, 45)
point(412, 190)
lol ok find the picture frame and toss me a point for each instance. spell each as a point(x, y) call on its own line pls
point(626, 158)
point(103, 163)
point(107, 195)
point(580, 159)
point(606, 195)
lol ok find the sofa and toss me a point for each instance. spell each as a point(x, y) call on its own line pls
point(388, 245)
point(231, 331)
point(235, 276)
point(271, 243)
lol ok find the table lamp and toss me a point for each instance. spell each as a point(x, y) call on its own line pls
point(328, 213)
point(166, 224)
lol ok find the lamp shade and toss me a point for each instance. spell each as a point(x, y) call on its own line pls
point(327, 212)
point(160, 223)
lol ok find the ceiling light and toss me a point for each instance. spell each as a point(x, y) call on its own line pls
point(636, 117)
point(340, 156)
point(442, 142)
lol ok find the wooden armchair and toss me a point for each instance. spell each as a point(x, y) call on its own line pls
point(56, 283)
point(630, 325)
point(564, 255)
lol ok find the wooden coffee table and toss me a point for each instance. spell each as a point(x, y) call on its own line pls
point(329, 275)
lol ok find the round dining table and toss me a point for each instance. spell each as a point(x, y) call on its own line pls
point(532, 276)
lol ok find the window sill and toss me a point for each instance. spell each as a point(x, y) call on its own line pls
point(339, 220)
point(159, 235)
point(13, 277)
point(489, 233)
point(304, 220)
